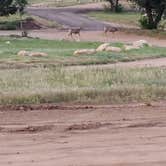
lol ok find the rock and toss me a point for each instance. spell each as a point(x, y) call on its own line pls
point(130, 47)
point(37, 54)
point(23, 53)
point(85, 52)
point(103, 47)
point(141, 43)
point(31, 54)
point(113, 49)
point(7, 42)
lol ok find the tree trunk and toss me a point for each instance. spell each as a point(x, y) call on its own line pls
point(150, 18)
point(112, 5)
point(116, 5)
point(158, 17)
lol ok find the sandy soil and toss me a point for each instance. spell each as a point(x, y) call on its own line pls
point(126, 135)
point(96, 36)
point(54, 34)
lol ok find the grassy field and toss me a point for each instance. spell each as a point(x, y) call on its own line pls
point(128, 18)
point(90, 86)
point(61, 53)
point(46, 80)
point(12, 22)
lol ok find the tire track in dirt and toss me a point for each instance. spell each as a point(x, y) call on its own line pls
point(157, 62)
point(103, 135)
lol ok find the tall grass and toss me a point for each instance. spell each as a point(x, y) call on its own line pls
point(100, 86)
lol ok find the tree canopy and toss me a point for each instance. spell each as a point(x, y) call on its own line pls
point(154, 10)
point(11, 6)
point(114, 5)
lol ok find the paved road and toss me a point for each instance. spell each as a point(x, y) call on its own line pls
point(69, 17)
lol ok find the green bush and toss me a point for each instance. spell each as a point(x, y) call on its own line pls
point(162, 25)
point(145, 23)
point(9, 25)
point(120, 8)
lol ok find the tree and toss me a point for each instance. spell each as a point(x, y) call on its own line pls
point(114, 5)
point(11, 6)
point(20, 4)
point(154, 10)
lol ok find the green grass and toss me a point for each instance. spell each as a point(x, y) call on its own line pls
point(61, 53)
point(160, 34)
point(50, 82)
point(12, 22)
point(128, 18)
point(90, 86)
point(9, 22)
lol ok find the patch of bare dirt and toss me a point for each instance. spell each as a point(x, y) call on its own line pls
point(103, 135)
point(31, 24)
point(156, 62)
point(93, 36)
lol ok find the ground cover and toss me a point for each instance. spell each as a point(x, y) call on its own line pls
point(90, 86)
point(61, 53)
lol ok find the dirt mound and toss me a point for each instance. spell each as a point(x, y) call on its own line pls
point(25, 129)
point(150, 124)
point(87, 126)
point(30, 24)
point(31, 107)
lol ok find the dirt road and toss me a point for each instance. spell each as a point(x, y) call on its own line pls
point(129, 135)
point(54, 34)
point(157, 62)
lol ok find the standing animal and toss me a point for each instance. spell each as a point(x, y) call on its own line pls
point(75, 31)
point(110, 29)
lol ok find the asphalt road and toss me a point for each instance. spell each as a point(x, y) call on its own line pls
point(70, 17)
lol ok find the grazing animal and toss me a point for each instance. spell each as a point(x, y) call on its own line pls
point(75, 31)
point(110, 29)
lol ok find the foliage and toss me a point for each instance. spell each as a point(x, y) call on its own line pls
point(11, 6)
point(144, 22)
point(154, 9)
point(115, 6)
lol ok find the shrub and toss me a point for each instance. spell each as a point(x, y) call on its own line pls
point(9, 25)
point(145, 23)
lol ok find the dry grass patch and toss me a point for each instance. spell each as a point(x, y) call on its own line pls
point(100, 86)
